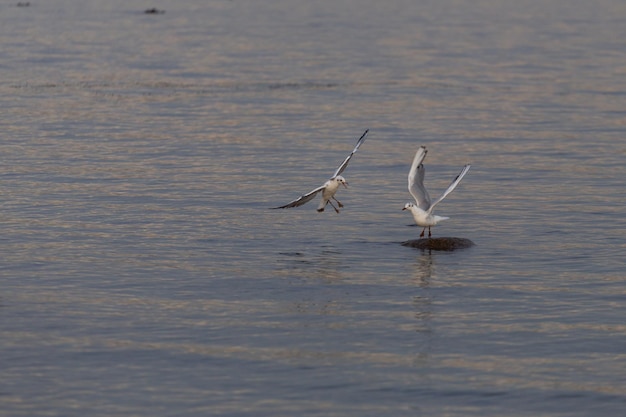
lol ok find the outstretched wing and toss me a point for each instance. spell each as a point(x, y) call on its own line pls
point(303, 199)
point(416, 179)
point(451, 187)
point(344, 164)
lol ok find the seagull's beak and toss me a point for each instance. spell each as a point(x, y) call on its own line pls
point(403, 208)
point(345, 184)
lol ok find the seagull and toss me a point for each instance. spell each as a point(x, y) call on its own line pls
point(423, 211)
point(330, 187)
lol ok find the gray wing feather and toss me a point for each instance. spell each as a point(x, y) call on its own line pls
point(452, 186)
point(416, 179)
point(344, 164)
point(303, 199)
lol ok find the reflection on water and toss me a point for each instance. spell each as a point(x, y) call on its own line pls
point(324, 265)
point(424, 269)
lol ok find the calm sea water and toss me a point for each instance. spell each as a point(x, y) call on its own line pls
point(142, 274)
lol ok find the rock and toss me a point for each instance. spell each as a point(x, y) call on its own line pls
point(439, 243)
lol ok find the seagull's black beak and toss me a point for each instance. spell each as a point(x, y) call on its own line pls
point(345, 184)
point(403, 208)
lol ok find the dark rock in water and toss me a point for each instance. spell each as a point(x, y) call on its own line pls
point(154, 10)
point(439, 243)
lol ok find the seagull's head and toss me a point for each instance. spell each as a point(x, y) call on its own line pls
point(408, 206)
point(341, 180)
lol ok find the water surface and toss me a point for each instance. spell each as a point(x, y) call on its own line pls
point(142, 272)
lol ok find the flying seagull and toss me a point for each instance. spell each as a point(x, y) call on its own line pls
point(330, 187)
point(422, 211)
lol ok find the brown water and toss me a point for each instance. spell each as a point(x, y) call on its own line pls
point(143, 274)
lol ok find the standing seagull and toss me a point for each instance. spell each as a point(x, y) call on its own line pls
point(330, 187)
point(423, 211)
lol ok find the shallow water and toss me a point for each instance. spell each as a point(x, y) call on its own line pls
point(142, 272)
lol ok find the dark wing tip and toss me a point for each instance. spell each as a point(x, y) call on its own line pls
point(361, 139)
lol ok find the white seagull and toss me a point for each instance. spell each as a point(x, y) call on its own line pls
point(423, 211)
point(330, 187)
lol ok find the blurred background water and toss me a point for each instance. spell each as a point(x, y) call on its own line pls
point(143, 274)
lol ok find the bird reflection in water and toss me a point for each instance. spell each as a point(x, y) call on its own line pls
point(422, 305)
point(324, 265)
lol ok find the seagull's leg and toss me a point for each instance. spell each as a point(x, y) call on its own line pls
point(336, 209)
point(338, 202)
point(422, 234)
point(429, 234)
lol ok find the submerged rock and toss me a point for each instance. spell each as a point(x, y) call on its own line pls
point(154, 10)
point(439, 243)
